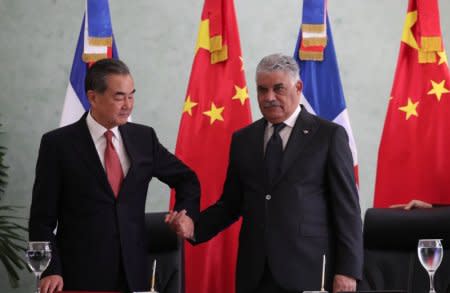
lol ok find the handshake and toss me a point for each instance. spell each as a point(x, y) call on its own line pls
point(180, 223)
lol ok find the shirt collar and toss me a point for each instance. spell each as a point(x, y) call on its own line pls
point(97, 130)
point(291, 120)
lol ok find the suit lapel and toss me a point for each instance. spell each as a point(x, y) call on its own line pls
point(131, 152)
point(301, 135)
point(88, 153)
point(258, 158)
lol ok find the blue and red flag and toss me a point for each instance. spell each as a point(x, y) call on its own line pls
point(322, 88)
point(95, 42)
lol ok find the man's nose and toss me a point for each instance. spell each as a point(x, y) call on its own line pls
point(126, 103)
point(270, 95)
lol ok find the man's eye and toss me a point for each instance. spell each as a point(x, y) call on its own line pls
point(279, 89)
point(261, 90)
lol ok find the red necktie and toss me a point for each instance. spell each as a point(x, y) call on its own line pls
point(113, 167)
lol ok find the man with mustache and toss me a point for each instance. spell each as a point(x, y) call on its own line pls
point(91, 184)
point(291, 179)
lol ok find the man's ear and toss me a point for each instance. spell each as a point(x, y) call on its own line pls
point(299, 86)
point(91, 96)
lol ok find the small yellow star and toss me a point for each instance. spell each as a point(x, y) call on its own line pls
point(241, 94)
point(410, 109)
point(214, 114)
point(438, 89)
point(188, 105)
point(443, 58)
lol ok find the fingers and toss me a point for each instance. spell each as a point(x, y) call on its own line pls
point(51, 284)
point(343, 283)
point(170, 217)
point(180, 223)
point(395, 206)
point(413, 204)
point(60, 285)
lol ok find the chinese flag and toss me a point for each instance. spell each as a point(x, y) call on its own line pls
point(216, 104)
point(413, 158)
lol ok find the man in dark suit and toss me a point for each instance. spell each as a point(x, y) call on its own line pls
point(91, 185)
point(291, 179)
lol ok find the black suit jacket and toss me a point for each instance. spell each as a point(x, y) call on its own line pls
point(99, 237)
point(311, 209)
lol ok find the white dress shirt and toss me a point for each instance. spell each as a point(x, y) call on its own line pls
point(97, 132)
point(285, 133)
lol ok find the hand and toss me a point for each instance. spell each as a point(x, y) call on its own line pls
point(413, 204)
point(343, 283)
point(181, 223)
point(51, 283)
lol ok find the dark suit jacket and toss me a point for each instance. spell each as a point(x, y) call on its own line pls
point(99, 237)
point(311, 209)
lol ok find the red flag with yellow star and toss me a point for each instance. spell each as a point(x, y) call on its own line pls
point(413, 160)
point(216, 105)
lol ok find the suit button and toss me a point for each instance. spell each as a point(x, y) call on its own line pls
point(268, 197)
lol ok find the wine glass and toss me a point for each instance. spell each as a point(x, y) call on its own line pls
point(38, 257)
point(430, 255)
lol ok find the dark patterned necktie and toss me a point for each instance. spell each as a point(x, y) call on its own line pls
point(274, 152)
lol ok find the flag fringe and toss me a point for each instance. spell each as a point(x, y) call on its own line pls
point(308, 42)
point(313, 28)
point(107, 41)
point(93, 57)
point(219, 56)
point(431, 43)
point(215, 43)
point(308, 55)
point(427, 57)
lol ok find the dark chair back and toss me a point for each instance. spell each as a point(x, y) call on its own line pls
point(390, 249)
point(167, 249)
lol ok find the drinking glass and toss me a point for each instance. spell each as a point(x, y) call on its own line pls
point(38, 257)
point(430, 255)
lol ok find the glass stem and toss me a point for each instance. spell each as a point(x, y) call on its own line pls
point(432, 282)
point(38, 280)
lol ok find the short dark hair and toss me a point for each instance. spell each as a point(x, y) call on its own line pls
point(97, 73)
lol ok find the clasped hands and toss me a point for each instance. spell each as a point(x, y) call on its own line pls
point(180, 223)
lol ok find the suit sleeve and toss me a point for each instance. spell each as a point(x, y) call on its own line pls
point(227, 209)
point(346, 212)
point(170, 170)
point(45, 201)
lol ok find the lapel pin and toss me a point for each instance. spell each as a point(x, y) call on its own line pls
point(305, 131)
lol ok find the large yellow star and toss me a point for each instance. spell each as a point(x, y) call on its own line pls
point(241, 94)
point(407, 35)
point(443, 58)
point(203, 36)
point(438, 89)
point(188, 105)
point(214, 114)
point(410, 109)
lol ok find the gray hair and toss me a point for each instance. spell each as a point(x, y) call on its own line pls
point(96, 75)
point(279, 62)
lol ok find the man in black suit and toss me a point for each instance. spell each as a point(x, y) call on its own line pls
point(91, 185)
point(291, 179)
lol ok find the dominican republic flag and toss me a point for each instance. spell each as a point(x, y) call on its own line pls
point(322, 88)
point(95, 42)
